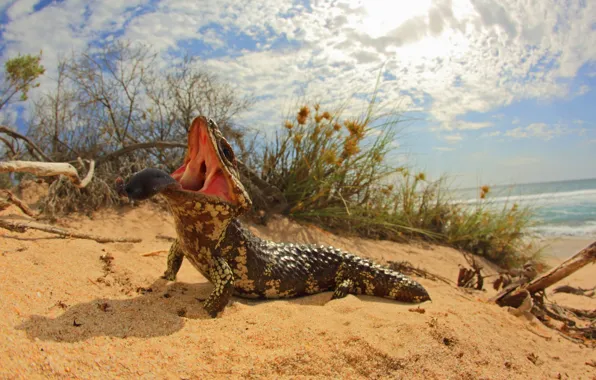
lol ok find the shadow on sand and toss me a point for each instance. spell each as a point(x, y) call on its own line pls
point(159, 311)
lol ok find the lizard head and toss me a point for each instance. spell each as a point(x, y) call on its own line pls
point(208, 175)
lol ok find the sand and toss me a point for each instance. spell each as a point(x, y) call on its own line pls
point(67, 313)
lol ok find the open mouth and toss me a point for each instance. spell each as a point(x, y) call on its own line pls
point(202, 171)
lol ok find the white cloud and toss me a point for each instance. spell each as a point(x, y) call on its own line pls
point(517, 133)
point(540, 130)
point(464, 125)
point(583, 89)
point(443, 148)
point(452, 139)
point(491, 134)
point(20, 8)
point(450, 57)
point(515, 121)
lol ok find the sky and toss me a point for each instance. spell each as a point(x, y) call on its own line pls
point(494, 92)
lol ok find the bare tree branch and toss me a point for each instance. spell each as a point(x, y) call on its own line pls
point(133, 147)
point(34, 149)
point(10, 146)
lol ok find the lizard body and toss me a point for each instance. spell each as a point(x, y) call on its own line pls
point(205, 196)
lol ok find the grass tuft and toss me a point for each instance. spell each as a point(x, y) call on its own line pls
point(335, 172)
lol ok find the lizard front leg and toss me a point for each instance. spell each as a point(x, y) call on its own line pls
point(222, 278)
point(175, 257)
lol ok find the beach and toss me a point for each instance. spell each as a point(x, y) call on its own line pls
point(562, 247)
point(68, 314)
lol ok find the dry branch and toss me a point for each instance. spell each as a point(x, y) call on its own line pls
point(24, 226)
point(510, 297)
point(147, 145)
point(44, 169)
point(33, 149)
point(4, 204)
point(577, 291)
point(470, 277)
point(19, 203)
point(154, 253)
point(407, 268)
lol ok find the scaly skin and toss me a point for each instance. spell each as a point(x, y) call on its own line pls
point(213, 240)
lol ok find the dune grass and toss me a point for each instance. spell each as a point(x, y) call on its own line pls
point(337, 172)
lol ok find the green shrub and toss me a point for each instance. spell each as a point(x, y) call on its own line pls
point(334, 172)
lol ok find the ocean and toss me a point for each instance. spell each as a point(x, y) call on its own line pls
point(565, 208)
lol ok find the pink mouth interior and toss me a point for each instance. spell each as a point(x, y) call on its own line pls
point(201, 171)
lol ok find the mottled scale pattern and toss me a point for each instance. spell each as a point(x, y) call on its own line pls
point(264, 269)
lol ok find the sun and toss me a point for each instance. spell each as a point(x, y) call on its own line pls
point(383, 16)
point(378, 18)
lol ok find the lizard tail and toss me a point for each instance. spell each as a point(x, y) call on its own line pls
point(361, 276)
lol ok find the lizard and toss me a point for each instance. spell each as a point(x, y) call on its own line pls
point(206, 198)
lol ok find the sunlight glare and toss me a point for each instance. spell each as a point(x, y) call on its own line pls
point(384, 16)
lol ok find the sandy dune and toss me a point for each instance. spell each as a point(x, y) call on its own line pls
point(66, 313)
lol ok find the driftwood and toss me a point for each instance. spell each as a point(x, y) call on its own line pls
point(514, 296)
point(23, 226)
point(18, 202)
point(528, 296)
point(44, 169)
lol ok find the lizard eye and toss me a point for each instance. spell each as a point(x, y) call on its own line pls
point(227, 151)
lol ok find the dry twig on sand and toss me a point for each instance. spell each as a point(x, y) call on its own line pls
point(470, 277)
point(11, 198)
point(408, 269)
point(23, 226)
point(577, 291)
point(154, 253)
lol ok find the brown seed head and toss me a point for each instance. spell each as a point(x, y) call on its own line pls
point(355, 128)
point(351, 146)
point(303, 115)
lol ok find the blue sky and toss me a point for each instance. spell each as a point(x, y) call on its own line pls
point(501, 91)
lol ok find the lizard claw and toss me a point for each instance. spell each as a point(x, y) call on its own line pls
point(210, 309)
point(169, 275)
